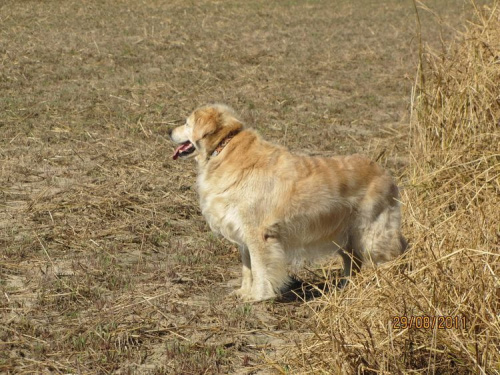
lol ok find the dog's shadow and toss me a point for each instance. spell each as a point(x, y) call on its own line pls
point(299, 290)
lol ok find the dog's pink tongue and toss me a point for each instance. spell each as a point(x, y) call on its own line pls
point(181, 148)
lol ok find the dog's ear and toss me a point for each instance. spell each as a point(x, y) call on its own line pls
point(207, 121)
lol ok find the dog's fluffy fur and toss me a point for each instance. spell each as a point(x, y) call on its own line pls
point(281, 208)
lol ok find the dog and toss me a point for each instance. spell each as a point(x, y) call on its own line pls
point(282, 208)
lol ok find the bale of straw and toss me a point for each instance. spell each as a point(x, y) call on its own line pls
point(440, 315)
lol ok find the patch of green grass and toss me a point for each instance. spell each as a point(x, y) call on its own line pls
point(185, 358)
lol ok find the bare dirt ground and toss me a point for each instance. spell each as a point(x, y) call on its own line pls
point(106, 265)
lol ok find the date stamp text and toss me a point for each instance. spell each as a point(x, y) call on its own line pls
point(429, 322)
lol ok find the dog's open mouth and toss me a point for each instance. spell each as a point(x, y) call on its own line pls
point(183, 150)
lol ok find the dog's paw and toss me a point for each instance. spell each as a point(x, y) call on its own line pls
point(247, 295)
point(259, 297)
point(243, 294)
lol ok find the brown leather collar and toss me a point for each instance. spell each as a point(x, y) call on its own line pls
point(224, 143)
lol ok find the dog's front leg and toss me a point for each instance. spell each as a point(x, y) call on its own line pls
point(269, 273)
point(246, 275)
point(246, 271)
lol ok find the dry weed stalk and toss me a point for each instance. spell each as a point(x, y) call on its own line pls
point(452, 220)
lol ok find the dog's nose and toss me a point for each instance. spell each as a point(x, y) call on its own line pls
point(170, 132)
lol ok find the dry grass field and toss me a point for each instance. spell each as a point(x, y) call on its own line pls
point(106, 265)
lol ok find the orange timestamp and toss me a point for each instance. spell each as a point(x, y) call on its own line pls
point(429, 322)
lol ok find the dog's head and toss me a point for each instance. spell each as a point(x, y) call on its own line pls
point(203, 131)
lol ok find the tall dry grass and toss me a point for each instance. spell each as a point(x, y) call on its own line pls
point(452, 210)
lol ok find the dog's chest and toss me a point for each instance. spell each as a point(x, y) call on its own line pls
point(222, 216)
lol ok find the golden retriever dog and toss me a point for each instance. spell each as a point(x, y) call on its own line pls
point(282, 208)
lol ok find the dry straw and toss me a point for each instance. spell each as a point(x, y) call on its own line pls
point(451, 275)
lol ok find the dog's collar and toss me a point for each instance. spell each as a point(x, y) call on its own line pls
point(224, 143)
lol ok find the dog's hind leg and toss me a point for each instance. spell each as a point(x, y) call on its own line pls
point(404, 243)
point(352, 260)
